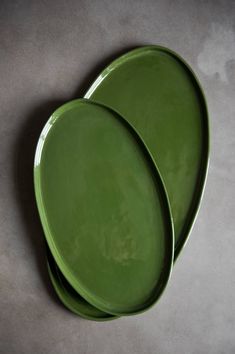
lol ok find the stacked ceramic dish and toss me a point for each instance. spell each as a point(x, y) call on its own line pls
point(118, 178)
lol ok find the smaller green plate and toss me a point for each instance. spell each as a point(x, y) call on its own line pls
point(70, 298)
point(103, 208)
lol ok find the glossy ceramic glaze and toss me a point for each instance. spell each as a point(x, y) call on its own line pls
point(70, 298)
point(157, 92)
point(103, 208)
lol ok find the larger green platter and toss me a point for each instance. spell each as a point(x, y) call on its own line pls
point(103, 208)
point(158, 93)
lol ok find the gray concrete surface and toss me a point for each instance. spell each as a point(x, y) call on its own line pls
point(49, 53)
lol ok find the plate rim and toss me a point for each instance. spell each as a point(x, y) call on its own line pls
point(57, 284)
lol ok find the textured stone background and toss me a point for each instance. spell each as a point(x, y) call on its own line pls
point(50, 51)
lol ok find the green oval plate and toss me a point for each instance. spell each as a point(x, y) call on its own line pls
point(70, 298)
point(103, 208)
point(157, 92)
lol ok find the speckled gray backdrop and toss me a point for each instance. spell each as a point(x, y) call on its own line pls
point(50, 51)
